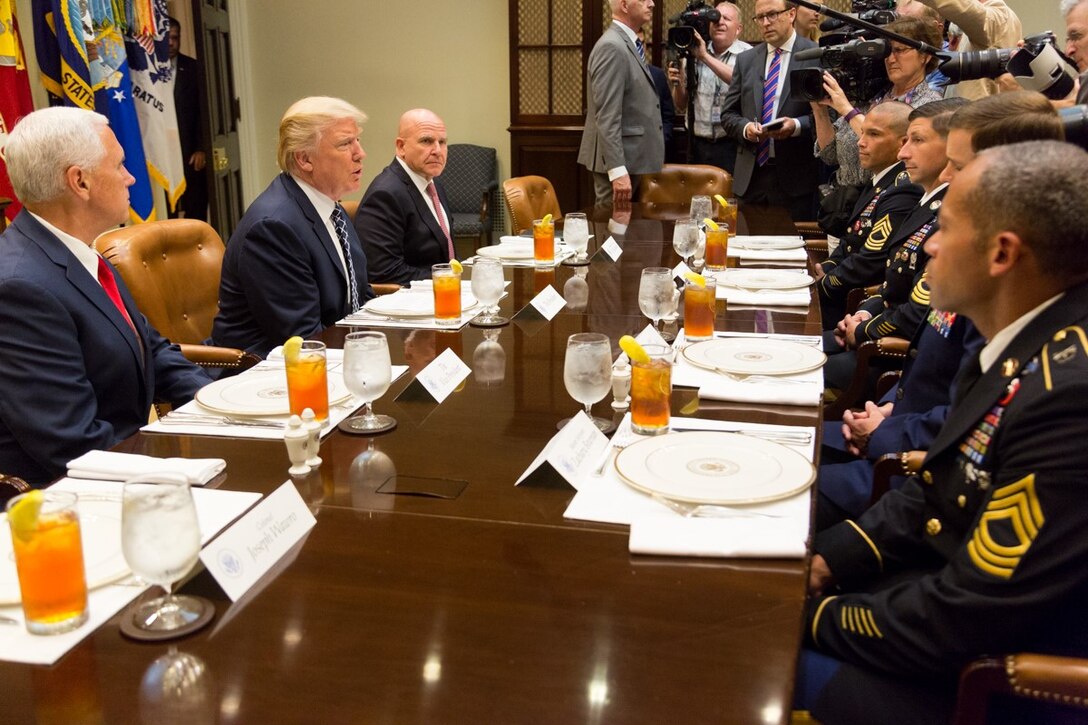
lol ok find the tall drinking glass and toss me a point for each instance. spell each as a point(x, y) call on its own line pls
point(656, 294)
point(651, 391)
point(699, 309)
point(367, 374)
point(727, 215)
point(700, 208)
point(685, 237)
point(587, 371)
point(307, 380)
point(487, 287)
point(576, 235)
point(543, 242)
point(49, 560)
point(446, 282)
point(160, 539)
point(717, 248)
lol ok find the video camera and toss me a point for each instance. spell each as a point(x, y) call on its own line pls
point(852, 55)
point(696, 18)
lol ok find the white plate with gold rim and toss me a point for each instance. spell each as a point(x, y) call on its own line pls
point(100, 531)
point(712, 467)
point(757, 279)
point(754, 356)
point(260, 393)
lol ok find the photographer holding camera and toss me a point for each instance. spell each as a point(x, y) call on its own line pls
point(713, 72)
point(837, 142)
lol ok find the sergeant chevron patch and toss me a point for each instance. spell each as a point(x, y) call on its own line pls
point(1007, 528)
point(879, 235)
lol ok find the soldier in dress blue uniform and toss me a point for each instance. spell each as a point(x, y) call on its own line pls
point(984, 550)
point(860, 256)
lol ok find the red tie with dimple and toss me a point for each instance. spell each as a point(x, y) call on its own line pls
point(109, 285)
point(433, 193)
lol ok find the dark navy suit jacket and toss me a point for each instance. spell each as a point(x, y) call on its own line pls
point(400, 234)
point(281, 273)
point(72, 375)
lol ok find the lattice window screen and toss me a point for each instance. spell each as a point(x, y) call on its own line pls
point(550, 68)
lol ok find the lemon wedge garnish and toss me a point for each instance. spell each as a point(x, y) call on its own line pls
point(711, 224)
point(721, 200)
point(456, 266)
point(292, 348)
point(634, 351)
point(547, 219)
point(696, 279)
point(24, 514)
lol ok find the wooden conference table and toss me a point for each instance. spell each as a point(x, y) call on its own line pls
point(450, 596)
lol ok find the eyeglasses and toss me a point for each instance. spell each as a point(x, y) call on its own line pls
point(767, 17)
point(900, 50)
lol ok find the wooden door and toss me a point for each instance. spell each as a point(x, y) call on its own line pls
point(224, 164)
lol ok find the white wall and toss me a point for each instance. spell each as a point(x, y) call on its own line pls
point(385, 57)
point(1040, 15)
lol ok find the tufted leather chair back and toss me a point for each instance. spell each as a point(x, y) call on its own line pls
point(675, 184)
point(529, 198)
point(172, 268)
point(350, 207)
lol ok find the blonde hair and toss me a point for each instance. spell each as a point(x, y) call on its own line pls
point(304, 122)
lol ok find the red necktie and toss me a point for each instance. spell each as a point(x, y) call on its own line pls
point(109, 285)
point(433, 193)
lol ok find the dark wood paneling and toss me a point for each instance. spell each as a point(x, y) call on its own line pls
point(552, 152)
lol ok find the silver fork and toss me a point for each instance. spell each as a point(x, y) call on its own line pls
point(706, 510)
point(793, 437)
point(762, 378)
point(201, 419)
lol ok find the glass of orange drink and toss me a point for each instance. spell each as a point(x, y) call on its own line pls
point(544, 242)
point(308, 381)
point(726, 215)
point(49, 560)
point(447, 294)
point(651, 391)
point(699, 308)
point(717, 248)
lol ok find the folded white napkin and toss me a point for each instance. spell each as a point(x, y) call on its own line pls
point(787, 392)
point(732, 537)
point(427, 284)
point(743, 240)
point(114, 466)
point(769, 255)
point(770, 298)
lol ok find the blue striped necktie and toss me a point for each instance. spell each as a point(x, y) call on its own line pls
point(770, 89)
point(340, 222)
point(641, 50)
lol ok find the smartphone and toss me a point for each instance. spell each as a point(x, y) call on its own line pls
point(775, 125)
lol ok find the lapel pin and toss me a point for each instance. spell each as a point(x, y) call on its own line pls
point(1009, 367)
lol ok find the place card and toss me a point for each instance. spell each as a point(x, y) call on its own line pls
point(571, 453)
point(612, 248)
point(253, 544)
point(441, 376)
point(546, 305)
point(680, 270)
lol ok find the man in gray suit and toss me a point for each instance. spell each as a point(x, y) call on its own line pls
point(774, 166)
point(623, 136)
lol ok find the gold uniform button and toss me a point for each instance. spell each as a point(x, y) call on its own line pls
point(961, 500)
point(933, 527)
point(927, 477)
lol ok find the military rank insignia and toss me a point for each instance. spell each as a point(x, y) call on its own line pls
point(1007, 528)
point(879, 234)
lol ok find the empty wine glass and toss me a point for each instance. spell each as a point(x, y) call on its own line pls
point(657, 294)
point(685, 237)
point(160, 538)
point(587, 371)
point(367, 374)
point(576, 236)
point(700, 208)
point(487, 286)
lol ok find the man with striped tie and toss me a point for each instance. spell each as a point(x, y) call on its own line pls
point(775, 165)
point(294, 264)
point(623, 134)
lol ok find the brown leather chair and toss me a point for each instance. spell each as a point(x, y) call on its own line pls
point(10, 487)
point(529, 198)
point(887, 351)
point(350, 207)
point(172, 268)
point(675, 184)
